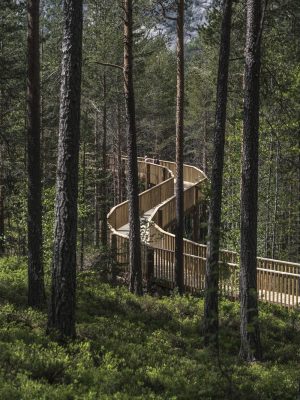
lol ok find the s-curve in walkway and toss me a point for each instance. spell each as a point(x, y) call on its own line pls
point(278, 281)
point(145, 221)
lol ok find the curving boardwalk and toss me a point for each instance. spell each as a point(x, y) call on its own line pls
point(278, 281)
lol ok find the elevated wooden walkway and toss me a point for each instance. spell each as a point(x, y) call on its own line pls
point(278, 281)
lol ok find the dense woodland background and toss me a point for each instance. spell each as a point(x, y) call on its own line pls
point(125, 346)
point(155, 84)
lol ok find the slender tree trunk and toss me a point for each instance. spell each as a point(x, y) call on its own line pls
point(82, 230)
point(266, 244)
point(211, 307)
point(298, 208)
point(195, 223)
point(42, 140)
point(250, 335)
point(26, 113)
point(96, 199)
point(179, 189)
point(2, 185)
point(36, 291)
point(275, 210)
point(119, 156)
point(132, 185)
point(289, 232)
point(62, 306)
point(204, 149)
point(2, 203)
point(104, 169)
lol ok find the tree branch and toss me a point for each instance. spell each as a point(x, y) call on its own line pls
point(109, 65)
point(262, 22)
point(164, 13)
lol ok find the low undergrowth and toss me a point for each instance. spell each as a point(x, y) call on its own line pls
point(138, 348)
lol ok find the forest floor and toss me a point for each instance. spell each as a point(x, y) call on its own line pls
point(138, 348)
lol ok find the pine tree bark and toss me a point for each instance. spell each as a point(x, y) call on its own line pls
point(179, 189)
point(298, 210)
point(275, 209)
point(36, 290)
point(204, 149)
point(83, 190)
point(250, 336)
point(211, 305)
point(119, 155)
point(266, 240)
point(132, 184)
point(2, 203)
point(2, 182)
point(104, 169)
point(96, 187)
point(62, 306)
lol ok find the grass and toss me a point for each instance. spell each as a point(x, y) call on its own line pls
point(138, 348)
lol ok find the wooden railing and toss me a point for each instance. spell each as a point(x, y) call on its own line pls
point(164, 214)
point(278, 281)
point(162, 182)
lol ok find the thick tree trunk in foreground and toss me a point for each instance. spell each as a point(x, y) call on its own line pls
point(179, 262)
point(62, 307)
point(36, 290)
point(250, 335)
point(211, 307)
point(132, 185)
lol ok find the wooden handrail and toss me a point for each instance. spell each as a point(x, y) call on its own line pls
point(278, 272)
point(162, 180)
point(286, 263)
point(278, 281)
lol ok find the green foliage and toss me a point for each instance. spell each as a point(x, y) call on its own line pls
point(13, 275)
point(138, 348)
point(278, 219)
point(15, 239)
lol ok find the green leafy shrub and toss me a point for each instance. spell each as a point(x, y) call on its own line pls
point(138, 348)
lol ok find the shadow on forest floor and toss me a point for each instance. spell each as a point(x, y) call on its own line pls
point(138, 348)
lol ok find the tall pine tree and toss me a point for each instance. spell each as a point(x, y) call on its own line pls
point(62, 306)
point(211, 323)
point(179, 189)
point(36, 291)
point(132, 185)
point(250, 335)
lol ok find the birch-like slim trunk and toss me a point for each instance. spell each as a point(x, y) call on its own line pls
point(36, 290)
point(179, 188)
point(211, 306)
